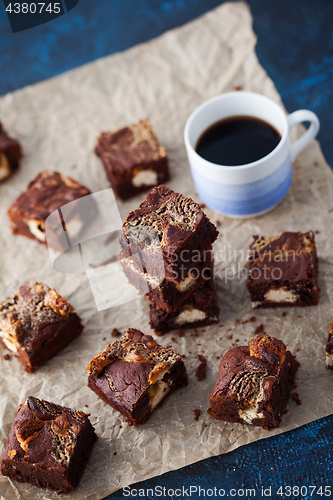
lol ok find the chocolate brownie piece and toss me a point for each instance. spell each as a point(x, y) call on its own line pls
point(45, 194)
point(168, 295)
point(329, 348)
point(48, 445)
point(283, 270)
point(200, 309)
point(170, 231)
point(10, 155)
point(36, 323)
point(134, 374)
point(253, 383)
point(133, 159)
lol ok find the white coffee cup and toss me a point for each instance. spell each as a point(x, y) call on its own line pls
point(253, 189)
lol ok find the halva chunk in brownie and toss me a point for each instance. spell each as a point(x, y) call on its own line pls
point(10, 155)
point(254, 383)
point(283, 270)
point(48, 445)
point(135, 374)
point(48, 192)
point(36, 323)
point(133, 159)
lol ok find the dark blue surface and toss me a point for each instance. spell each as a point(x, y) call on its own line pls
point(295, 46)
point(300, 458)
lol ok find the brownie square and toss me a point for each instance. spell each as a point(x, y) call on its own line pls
point(36, 323)
point(48, 445)
point(329, 348)
point(135, 374)
point(170, 231)
point(10, 155)
point(253, 383)
point(283, 270)
point(133, 159)
point(200, 309)
point(45, 194)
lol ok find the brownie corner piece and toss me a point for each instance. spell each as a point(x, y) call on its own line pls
point(48, 446)
point(45, 194)
point(35, 323)
point(135, 374)
point(283, 270)
point(254, 383)
point(329, 348)
point(133, 159)
point(10, 154)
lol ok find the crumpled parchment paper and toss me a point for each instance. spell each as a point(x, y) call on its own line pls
point(57, 122)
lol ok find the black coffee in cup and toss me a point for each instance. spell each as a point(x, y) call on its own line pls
point(237, 140)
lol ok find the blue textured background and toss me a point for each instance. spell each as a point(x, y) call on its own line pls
point(295, 46)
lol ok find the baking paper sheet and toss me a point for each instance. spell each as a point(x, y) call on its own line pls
point(57, 122)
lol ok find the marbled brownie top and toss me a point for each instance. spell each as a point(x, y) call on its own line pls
point(24, 317)
point(243, 370)
point(172, 216)
point(45, 194)
point(135, 347)
point(294, 253)
point(130, 146)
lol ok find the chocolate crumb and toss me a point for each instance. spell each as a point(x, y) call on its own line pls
point(252, 319)
point(195, 332)
point(284, 314)
point(180, 333)
point(296, 398)
point(217, 357)
point(86, 406)
point(183, 356)
point(115, 453)
point(229, 337)
point(205, 424)
point(197, 414)
point(273, 469)
point(115, 333)
point(173, 339)
point(200, 372)
point(218, 223)
point(112, 236)
point(104, 338)
point(297, 349)
point(259, 329)
point(120, 426)
point(317, 232)
point(237, 320)
point(296, 478)
point(6, 357)
point(238, 87)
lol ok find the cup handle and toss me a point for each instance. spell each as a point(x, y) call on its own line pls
point(303, 115)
